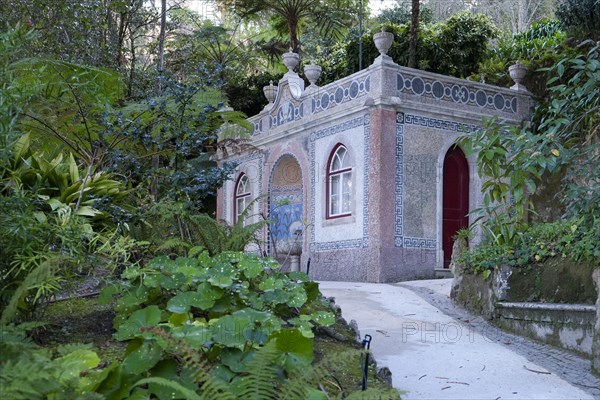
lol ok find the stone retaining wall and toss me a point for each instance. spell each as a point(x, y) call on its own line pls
point(570, 326)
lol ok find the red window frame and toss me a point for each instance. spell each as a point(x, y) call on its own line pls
point(329, 175)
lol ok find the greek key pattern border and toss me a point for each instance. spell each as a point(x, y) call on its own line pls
point(399, 187)
point(444, 125)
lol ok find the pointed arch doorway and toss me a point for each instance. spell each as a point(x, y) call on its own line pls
point(455, 198)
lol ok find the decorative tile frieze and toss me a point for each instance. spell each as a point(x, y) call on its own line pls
point(457, 94)
point(311, 102)
point(420, 243)
point(445, 125)
point(399, 185)
point(344, 126)
point(325, 99)
point(339, 245)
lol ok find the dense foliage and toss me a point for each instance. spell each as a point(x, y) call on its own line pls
point(541, 46)
point(106, 140)
point(570, 239)
point(580, 17)
point(453, 47)
point(562, 140)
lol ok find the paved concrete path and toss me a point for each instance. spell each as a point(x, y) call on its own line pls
point(437, 351)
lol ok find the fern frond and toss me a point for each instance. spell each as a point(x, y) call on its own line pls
point(259, 383)
point(210, 234)
point(175, 243)
point(210, 387)
point(195, 251)
point(37, 276)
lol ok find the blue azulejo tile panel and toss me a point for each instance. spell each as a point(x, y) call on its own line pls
point(286, 220)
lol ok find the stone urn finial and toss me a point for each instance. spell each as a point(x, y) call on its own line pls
point(517, 72)
point(383, 41)
point(291, 60)
point(270, 92)
point(312, 72)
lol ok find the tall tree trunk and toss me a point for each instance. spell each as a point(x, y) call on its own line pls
point(414, 34)
point(161, 42)
point(133, 61)
point(293, 26)
point(160, 67)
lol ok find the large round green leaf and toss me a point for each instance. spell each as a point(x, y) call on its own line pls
point(203, 298)
point(251, 266)
point(221, 275)
point(147, 317)
point(195, 336)
point(297, 296)
point(229, 330)
point(297, 350)
point(142, 356)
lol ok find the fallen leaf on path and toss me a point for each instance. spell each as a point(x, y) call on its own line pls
point(536, 371)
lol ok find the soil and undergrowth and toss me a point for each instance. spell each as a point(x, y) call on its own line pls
point(83, 319)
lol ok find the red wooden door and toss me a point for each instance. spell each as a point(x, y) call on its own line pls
point(456, 199)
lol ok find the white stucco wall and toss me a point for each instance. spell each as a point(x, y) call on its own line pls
point(253, 170)
point(344, 228)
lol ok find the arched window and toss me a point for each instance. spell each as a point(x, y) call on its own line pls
point(241, 198)
point(339, 183)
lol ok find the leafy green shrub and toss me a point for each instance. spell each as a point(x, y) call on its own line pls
point(223, 307)
point(401, 13)
point(570, 239)
point(486, 257)
point(542, 45)
point(571, 115)
point(454, 47)
point(173, 228)
point(50, 230)
point(463, 40)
